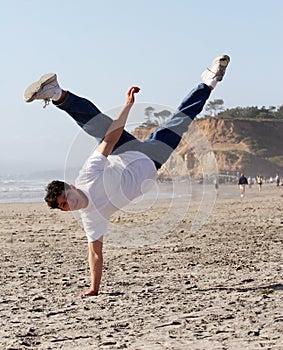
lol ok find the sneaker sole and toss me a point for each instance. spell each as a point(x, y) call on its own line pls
point(223, 60)
point(33, 89)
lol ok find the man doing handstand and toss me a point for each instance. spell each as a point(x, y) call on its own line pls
point(117, 171)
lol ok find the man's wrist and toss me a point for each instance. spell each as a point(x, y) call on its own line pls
point(128, 106)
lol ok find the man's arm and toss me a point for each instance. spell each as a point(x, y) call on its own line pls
point(95, 265)
point(116, 128)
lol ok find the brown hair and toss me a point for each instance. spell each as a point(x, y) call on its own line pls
point(54, 190)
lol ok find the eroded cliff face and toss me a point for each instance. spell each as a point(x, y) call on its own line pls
point(214, 145)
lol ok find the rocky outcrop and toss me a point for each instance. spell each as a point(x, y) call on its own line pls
point(214, 145)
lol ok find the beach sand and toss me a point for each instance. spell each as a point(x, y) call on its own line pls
point(218, 288)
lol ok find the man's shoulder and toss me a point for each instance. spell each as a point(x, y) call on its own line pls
point(92, 169)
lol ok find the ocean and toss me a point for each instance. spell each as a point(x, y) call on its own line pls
point(26, 188)
point(31, 188)
point(16, 189)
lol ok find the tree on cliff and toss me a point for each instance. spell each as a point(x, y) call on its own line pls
point(214, 107)
point(162, 116)
point(253, 113)
point(148, 112)
point(155, 118)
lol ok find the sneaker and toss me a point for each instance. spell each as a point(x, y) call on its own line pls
point(217, 69)
point(44, 89)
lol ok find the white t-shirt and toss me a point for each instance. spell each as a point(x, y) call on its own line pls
point(110, 183)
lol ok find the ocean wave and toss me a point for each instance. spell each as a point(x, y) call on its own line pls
point(21, 190)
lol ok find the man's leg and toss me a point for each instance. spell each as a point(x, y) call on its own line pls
point(84, 112)
point(165, 139)
point(90, 118)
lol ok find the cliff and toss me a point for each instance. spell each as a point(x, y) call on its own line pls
point(226, 146)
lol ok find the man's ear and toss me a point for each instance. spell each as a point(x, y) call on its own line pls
point(73, 187)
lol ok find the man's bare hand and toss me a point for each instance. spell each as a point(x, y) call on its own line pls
point(130, 95)
point(88, 293)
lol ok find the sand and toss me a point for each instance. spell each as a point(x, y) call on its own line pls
point(218, 288)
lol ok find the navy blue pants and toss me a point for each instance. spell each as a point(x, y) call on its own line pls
point(160, 144)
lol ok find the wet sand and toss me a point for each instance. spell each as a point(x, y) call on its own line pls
point(218, 288)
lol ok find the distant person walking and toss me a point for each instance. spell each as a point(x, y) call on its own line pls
point(216, 186)
point(250, 181)
point(242, 182)
point(277, 180)
point(259, 182)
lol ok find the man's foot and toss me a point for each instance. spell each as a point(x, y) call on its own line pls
point(211, 76)
point(46, 88)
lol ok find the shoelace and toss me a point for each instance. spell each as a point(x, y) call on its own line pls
point(211, 72)
point(220, 71)
point(46, 102)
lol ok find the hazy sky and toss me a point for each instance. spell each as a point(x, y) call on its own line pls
point(100, 48)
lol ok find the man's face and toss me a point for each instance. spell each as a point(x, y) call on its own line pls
point(71, 199)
